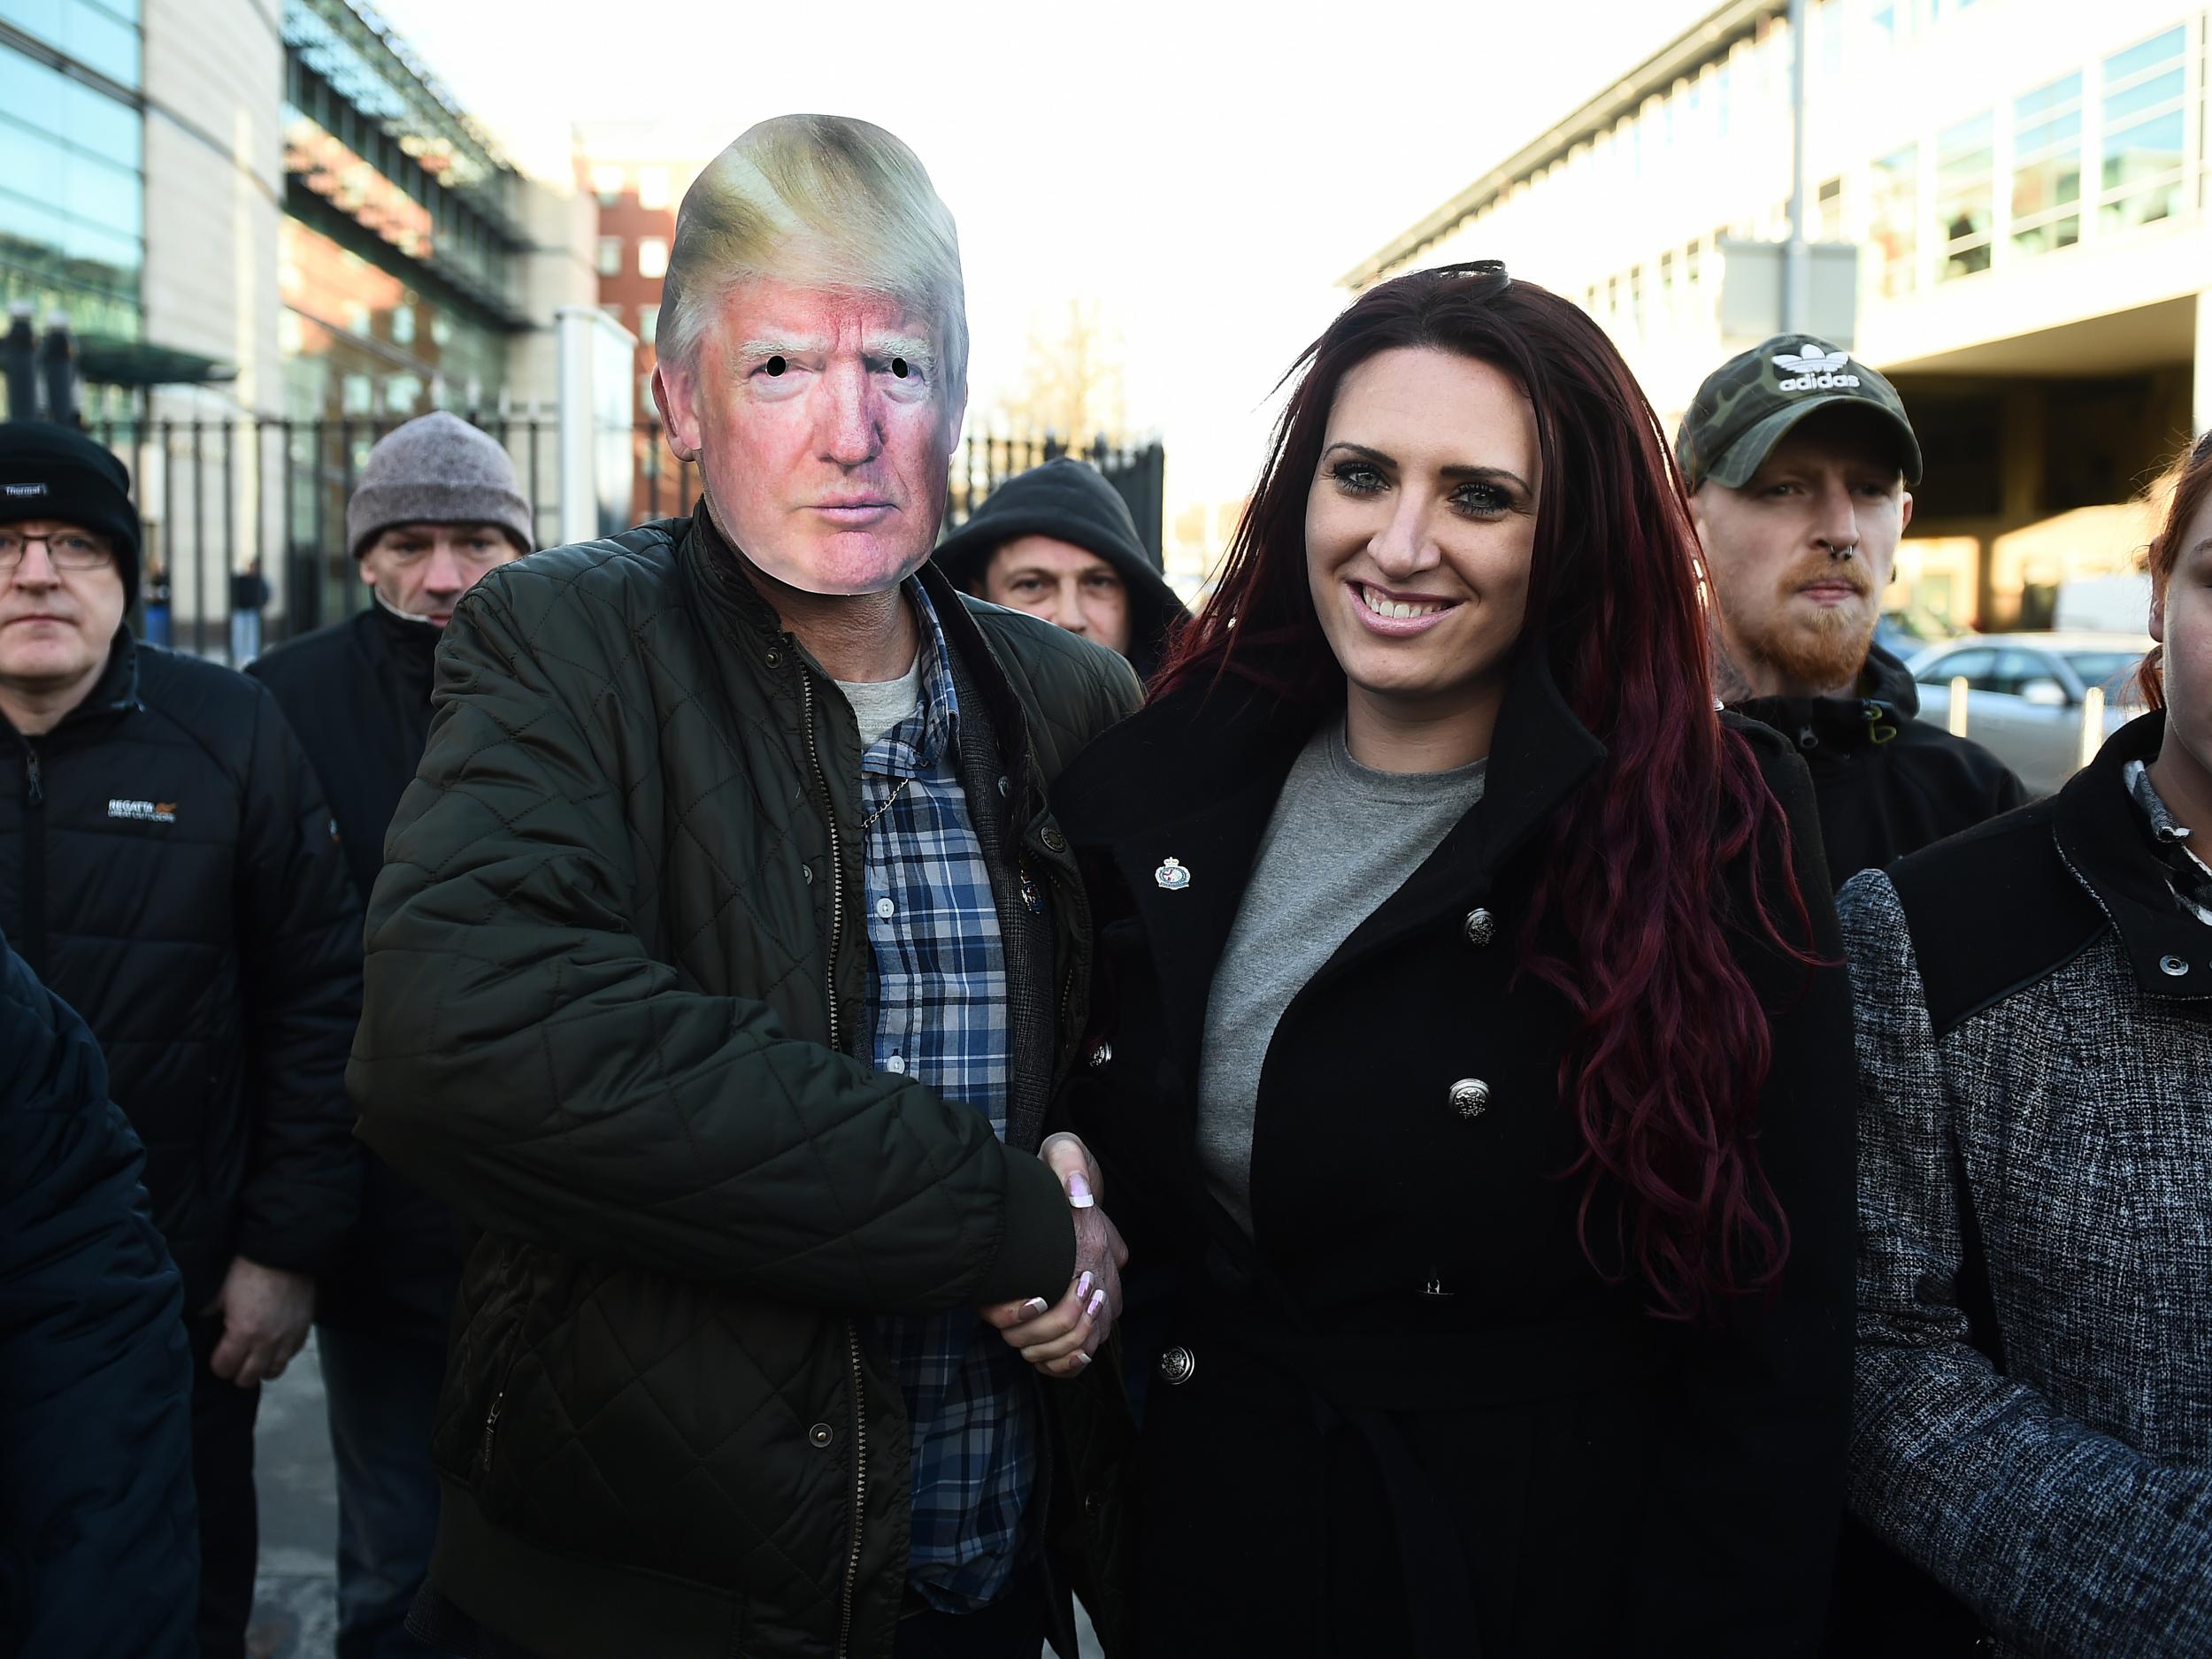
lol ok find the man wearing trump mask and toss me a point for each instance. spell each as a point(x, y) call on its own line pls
point(721, 975)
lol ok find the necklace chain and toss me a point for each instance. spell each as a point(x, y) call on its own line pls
point(868, 823)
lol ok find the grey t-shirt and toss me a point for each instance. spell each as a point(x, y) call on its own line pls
point(880, 704)
point(1342, 839)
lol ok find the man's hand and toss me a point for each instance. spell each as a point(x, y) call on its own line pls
point(265, 1315)
point(1060, 1339)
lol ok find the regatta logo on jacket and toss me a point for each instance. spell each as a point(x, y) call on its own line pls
point(144, 811)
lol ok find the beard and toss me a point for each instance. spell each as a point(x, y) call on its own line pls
point(1812, 645)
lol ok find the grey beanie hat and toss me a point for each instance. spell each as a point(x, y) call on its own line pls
point(437, 469)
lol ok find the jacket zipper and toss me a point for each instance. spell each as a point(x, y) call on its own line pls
point(852, 1331)
point(33, 861)
point(491, 1427)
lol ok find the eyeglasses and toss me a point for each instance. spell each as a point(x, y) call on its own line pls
point(65, 550)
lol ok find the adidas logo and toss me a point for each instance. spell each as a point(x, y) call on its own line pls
point(144, 811)
point(1809, 369)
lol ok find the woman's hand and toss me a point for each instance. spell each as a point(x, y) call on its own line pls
point(1061, 1338)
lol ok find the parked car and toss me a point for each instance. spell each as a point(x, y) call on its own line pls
point(2024, 694)
point(1904, 632)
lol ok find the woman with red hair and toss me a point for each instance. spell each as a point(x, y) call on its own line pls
point(1470, 1043)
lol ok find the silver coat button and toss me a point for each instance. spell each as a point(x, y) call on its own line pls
point(820, 1435)
point(1471, 1096)
point(1178, 1366)
point(1481, 927)
point(1102, 1056)
point(2173, 965)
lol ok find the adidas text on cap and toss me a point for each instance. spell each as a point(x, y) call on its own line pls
point(1748, 404)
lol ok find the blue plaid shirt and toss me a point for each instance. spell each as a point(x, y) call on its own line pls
point(939, 1014)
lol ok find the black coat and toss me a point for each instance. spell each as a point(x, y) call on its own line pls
point(1348, 1445)
point(167, 867)
point(1888, 783)
point(98, 1553)
point(357, 695)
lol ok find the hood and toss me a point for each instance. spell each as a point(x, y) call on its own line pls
point(1070, 501)
point(1887, 699)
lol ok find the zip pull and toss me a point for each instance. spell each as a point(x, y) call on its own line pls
point(491, 1427)
point(1807, 738)
point(34, 790)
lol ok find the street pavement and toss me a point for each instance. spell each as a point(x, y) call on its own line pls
point(295, 1595)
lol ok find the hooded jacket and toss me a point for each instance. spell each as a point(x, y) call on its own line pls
point(167, 868)
point(358, 695)
point(1069, 501)
point(1887, 783)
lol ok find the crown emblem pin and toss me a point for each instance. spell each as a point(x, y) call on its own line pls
point(1171, 876)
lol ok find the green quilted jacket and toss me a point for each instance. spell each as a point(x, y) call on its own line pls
point(615, 987)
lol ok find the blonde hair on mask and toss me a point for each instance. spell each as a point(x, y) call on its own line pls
point(819, 202)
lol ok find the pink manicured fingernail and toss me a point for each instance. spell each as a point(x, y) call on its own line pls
point(1034, 1306)
point(1080, 1191)
point(1079, 1359)
point(1083, 1286)
point(1098, 1304)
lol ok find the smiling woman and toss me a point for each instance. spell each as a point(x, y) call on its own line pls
point(1470, 1069)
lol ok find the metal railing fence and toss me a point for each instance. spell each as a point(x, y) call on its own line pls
point(245, 541)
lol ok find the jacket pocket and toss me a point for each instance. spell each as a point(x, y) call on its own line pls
point(496, 1291)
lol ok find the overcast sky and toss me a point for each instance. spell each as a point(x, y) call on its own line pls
point(1205, 171)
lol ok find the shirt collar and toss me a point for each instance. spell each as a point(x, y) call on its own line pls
point(2188, 875)
point(918, 744)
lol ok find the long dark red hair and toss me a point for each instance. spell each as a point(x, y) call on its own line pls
point(1663, 1077)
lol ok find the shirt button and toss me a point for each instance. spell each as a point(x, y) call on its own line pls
point(896, 1063)
point(1481, 927)
point(1471, 1096)
point(885, 909)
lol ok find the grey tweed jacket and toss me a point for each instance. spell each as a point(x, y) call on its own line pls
point(2033, 1421)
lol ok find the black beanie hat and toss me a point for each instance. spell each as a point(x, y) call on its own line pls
point(49, 471)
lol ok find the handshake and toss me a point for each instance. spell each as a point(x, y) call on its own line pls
point(1059, 1338)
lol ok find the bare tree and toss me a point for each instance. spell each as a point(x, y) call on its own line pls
point(1072, 387)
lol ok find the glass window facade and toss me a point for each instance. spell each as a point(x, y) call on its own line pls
point(360, 341)
point(1893, 218)
point(101, 34)
point(611, 255)
point(2046, 166)
point(652, 257)
point(2143, 125)
point(1965, 196)
point(72, 193)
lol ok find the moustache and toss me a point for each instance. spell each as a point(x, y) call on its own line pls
point(1850, 572)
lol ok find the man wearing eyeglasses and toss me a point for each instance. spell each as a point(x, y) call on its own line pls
point(437, 507)
point(167, 867)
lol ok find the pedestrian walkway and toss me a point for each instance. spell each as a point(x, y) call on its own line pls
point(295, 1594)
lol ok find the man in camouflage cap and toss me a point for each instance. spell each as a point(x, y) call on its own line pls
point(1799, 460)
